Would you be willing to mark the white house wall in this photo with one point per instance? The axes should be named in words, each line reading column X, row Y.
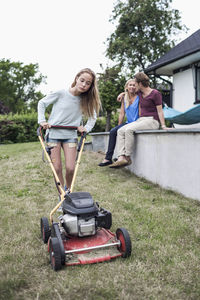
column 183, row 90
column 184, row 94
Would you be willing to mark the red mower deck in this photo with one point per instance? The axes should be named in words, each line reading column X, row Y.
column 91, row 249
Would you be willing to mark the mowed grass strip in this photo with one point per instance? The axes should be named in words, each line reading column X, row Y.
column 164, row 229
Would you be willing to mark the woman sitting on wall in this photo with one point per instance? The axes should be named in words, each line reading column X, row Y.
column 130, row 108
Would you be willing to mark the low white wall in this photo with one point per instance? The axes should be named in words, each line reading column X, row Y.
column 168, row 158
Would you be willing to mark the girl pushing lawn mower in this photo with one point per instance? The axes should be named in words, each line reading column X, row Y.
column 82, row 234
column 68, row 106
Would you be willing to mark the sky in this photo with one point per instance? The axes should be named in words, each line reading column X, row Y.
column 64, row 36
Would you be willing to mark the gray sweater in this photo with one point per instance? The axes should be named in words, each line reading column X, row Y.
column 66, row 111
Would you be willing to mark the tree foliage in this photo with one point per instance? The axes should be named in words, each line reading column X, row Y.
column 145, row 30
column 3, row 109
column 110, row 84
column 18, row 85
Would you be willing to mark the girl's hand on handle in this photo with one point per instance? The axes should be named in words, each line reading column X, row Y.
column 81, row 129
column 45, row 125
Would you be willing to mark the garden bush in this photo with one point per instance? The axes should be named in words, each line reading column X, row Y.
column 22, row 128
column 100, row 124
column 18, row 128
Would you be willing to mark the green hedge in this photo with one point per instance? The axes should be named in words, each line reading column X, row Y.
column 18, row 128
column 100, row 124
column 23, row 128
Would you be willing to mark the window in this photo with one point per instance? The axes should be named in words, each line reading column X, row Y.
column 197, row 96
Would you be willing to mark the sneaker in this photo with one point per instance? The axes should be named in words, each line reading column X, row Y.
column 67, row 190
column 104, row 164
column 119, row 164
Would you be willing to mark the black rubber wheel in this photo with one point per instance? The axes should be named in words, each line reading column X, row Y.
column 55, row 255
column 57, row 234
column 45, row 229
column 124, row 238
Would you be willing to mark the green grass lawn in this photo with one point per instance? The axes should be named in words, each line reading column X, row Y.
column 164, row 229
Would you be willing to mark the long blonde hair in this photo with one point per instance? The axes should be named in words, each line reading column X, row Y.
column 90, row 100
column 127, row 98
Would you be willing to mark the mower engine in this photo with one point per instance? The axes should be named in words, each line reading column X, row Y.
column 82, row 217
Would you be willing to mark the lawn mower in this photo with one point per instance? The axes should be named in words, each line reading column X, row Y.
column 82, row 233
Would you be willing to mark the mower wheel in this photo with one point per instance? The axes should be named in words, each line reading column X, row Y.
column 45, row 230
column 124, row 238
column 55, row 255
column 57, row 234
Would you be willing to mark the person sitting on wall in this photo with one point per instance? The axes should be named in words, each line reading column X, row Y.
column 130, row 108
column 151, row 117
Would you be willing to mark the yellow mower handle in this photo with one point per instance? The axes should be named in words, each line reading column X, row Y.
column 60, row 188
column 80, row 150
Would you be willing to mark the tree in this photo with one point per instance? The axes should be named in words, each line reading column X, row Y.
column 18, row 85
column 3, row 109
column 144, row 32
column 110, row 84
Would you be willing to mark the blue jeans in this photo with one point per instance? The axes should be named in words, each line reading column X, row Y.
column 112, row 141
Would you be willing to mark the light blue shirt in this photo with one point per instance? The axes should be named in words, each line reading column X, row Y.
column 132, row 111
column 66, row 111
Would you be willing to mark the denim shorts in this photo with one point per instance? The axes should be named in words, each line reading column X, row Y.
column 62, row 141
